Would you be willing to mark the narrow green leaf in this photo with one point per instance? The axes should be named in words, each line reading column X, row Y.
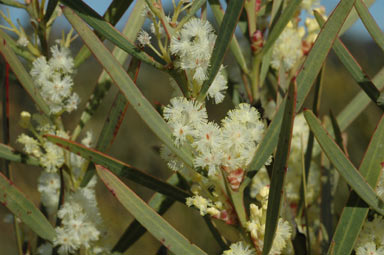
column 359, row 103
column 353, row 17
column 265, row 62
column 22, row 74
column 275, row 9
column 104, row 82
column 121, row 169
column 107, row 30
column 281, row 23
column 320, row 49
column 153, row 222
column 311, row 138
column 234, row 44
column 50, row 9
column 22, row 52
column 353, row 67
column 112, row 123
column 139, row 103
column 116, row 10
column 108, row 132
column 21, row 207
column 112, row 15
column 279, row 168
column 343, row 165
column 370, row 23
column 356, row 210
column 250, row 19
column 224, row 37
column 116, row 113
column 337, row 131
column 8, row 153
column 305, row 79
column 135, row 230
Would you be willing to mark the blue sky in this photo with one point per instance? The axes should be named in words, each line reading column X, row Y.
column 358, row 29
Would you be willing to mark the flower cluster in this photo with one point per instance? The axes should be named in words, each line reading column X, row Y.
column 287, row 50
column 256, row 226
column 219, row 151
column 53, row 79
column 230, row 146
column 193, row 46
column 371, row 237
column 50, row 155
column 204, row 205
column 239, row 248
column 80, row 220
column 295, row 41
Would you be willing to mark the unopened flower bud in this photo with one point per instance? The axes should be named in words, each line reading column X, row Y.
column 258, row 5
column 257, row 41
column 213, row 212
column 25, row 119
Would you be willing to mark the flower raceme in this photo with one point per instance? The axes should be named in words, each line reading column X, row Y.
column 192, row 47
column 53, row 79
column 229, row 146
column 218, row 150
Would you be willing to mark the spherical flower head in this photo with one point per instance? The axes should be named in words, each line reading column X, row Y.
column 209, row 161
column 287, row 50
column 65, row 239
column 80, row 219
column 218, row 87
column 282, row 235
column 249, row 117
column 53, row 158
column 186, row 111
column 41, row 71
column 207, row 137
column 193, row 45
column 369, row 248
column 61, row 59
column 240, row 248
column 49, row 188
column 181, row 132
column 31, row 145
column 72, row 102
column 22, row 41
column 57, row 89
column 54, row 81
column 183, row 116
column 143, row 38
column 372, row 231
